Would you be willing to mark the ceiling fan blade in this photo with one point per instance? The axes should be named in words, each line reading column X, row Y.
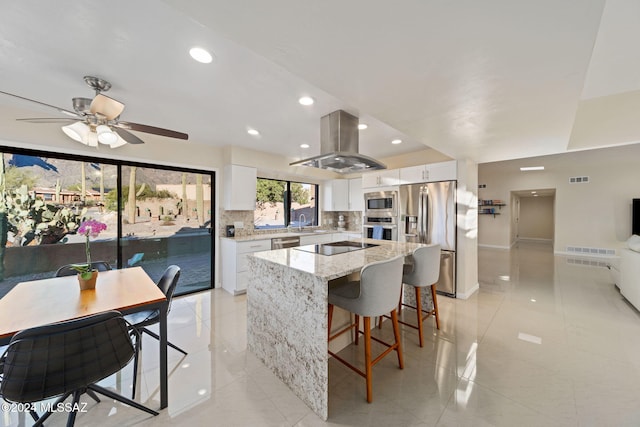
column 152, row 129
column 61, row 110
column 48, row 120
column 128, row 136
column 108, row 107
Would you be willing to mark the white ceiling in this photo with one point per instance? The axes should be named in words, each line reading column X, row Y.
column 489, row 80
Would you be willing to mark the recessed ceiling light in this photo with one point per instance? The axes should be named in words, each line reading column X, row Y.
column 253, row 132
column 306, row 100
column 396, row 141
column 533, row 192
column 533, row 168
column 535, row 195
column 304, row 145
column 200, row 55
column 362, row 126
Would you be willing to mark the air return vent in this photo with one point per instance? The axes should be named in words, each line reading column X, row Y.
column 591, row 251
column 587, row 262
column 579, row 180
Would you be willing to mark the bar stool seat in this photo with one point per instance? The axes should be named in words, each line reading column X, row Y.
column 375, row 294
column 424, row 272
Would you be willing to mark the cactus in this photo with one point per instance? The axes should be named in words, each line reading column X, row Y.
column 32, row 220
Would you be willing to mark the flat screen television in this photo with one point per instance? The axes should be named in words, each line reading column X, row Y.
column 635, row 226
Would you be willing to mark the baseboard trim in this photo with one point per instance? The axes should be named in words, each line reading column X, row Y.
column 469, row 293
column 480, row 245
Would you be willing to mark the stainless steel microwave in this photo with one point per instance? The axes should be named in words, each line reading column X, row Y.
column 381, row 204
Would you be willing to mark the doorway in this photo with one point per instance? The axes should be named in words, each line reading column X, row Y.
column 533, row 216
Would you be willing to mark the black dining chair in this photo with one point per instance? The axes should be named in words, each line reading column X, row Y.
column 67, row 358
column 142, row 319
column 66, row 270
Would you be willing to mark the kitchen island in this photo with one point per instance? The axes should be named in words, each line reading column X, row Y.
column 287, row 311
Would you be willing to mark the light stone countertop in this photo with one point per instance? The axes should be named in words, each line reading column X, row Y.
column 335, row 266
column 269, row 236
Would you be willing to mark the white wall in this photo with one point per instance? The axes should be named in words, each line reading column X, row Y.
column 536, row 218
column 596, row 215
column 467, row 233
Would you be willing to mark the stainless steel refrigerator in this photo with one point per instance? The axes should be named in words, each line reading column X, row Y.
column 428, row 215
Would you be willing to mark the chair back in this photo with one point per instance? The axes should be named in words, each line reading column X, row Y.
column 168, row 283
column 54, row 359
column 66, row 270
column 426, row 266
column 380, row 284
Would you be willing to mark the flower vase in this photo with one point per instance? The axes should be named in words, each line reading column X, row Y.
column 90, row 283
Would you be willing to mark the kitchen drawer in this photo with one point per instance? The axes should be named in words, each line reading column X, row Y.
column 253, row 246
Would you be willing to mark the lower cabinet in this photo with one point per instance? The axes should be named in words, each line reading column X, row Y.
column 235, row 270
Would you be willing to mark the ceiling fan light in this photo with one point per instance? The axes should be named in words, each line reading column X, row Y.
column 106, row 135
column 77, row 131
column 91, row 140
column 119, row 142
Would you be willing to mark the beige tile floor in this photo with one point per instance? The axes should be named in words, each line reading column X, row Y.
column 544, row 342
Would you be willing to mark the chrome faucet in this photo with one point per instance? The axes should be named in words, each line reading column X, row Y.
column 300, row 221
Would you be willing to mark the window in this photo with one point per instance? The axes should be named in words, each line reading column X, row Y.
column 165, row 219
column 281, row 203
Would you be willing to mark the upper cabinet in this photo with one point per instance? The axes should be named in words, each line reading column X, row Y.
column 443, row 171
column 336, row 195
column 239, row 188
column 356, row 195
column 382, row 178
column 343, row 195
column 413, row 174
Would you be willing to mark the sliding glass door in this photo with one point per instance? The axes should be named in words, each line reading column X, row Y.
column 166, row 219
column 156, row 216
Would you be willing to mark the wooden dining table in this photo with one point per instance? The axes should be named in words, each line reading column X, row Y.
column 39, row 302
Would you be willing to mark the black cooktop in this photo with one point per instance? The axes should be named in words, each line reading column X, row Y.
column 335, row 247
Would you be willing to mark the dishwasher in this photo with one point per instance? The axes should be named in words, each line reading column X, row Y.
column 285, row 242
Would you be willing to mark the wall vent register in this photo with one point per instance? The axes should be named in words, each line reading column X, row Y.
column 579, row 180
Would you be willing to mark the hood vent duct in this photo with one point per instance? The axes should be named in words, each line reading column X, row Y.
column 339, row 146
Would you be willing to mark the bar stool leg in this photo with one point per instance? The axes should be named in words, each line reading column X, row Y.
column 367, row 357
column 396, row 333
column 435, row 305
column 419, row 313
column 357, row 322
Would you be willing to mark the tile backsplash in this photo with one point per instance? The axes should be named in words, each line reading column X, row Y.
column 353, row 222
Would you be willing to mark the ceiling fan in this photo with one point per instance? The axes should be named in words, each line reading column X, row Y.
column 97, row 121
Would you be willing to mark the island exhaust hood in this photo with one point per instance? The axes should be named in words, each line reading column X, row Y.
column 339, row 146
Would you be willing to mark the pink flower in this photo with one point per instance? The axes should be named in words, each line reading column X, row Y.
column 92, row 228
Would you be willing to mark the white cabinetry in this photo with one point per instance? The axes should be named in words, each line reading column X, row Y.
column 356, row 195
column 235, row 270
column 443, row 171
column 336, row 195
column 343, row 195
column 383, row 178
column 239, row 188
column 413, row 174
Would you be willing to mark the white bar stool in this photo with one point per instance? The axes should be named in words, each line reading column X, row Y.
column 374, row 295
column 424, row 272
